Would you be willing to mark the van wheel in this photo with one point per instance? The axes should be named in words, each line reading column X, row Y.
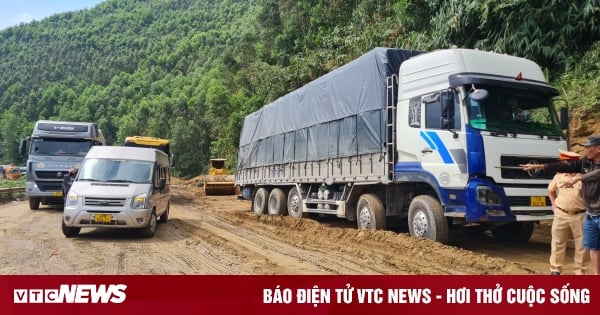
column 370, row 213
column 165, row 216
column 426, row 219
column 294, row 204
column 150, row 229
column 34, row 203
column 277, row 202
column 259, row 204
column 70, row 231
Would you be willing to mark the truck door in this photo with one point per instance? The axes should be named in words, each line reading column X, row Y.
column 441, row 145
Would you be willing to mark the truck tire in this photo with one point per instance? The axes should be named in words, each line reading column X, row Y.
column 150, row 228
column 370, row 213
column 517, row 232
column 70, row 231
column 294, row 204
column 34, row 203
column 277, row 202
column 165, row 216
column 261, row 198
column 426, row 219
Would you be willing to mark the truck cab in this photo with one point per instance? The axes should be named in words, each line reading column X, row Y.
column 54, row 148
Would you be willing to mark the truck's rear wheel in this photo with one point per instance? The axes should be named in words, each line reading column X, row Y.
column 426, row 219
column 294, row 204
column 370, row 213
column 277, row 202
column 259, row 204
column 34, row 203
column 517, row 232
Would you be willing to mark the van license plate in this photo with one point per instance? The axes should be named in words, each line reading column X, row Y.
column 102, row 218
column 537, row 201
column 57, row 194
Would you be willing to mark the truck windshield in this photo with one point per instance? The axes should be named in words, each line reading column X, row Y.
column 116, row 170
column 58, row 146
column 513, row 111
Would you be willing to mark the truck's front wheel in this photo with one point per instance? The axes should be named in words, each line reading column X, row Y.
column 517, row 232
column 370, row 213
column 34, row 203
column 426, row 219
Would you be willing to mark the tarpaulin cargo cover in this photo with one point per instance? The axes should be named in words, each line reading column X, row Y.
column 340, row 114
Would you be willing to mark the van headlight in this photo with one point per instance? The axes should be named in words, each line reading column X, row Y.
column 486, row 196
column 71, row 200
column 139, row 202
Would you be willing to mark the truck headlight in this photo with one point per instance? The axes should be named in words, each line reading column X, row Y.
column 71, row 200
column 139, row 202
column 486, row 196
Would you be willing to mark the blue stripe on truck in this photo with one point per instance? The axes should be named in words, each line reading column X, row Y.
column 434, row 141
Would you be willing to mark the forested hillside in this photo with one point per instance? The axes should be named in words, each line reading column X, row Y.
column 190, row 70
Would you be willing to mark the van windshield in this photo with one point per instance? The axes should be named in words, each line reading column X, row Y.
column 116, row 170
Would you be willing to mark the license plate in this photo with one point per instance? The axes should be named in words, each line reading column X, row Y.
column 57, row 194
column 537, row 201
column 102, row 218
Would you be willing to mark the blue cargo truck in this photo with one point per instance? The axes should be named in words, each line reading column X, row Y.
column 433, row 138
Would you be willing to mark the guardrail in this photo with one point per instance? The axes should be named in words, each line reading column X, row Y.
column 9, row 191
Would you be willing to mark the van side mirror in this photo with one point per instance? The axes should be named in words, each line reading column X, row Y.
column 162, row 183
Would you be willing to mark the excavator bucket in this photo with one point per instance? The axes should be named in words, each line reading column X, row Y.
column 218, row 181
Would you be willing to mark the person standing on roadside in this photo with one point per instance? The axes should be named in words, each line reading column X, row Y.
column 569, row 214
column 588, row 173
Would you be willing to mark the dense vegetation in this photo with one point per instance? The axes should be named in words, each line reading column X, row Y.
column 190, row 70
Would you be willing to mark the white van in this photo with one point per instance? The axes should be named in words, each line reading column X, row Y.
column 119, row 187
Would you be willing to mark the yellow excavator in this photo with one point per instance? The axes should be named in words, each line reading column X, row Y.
column 218, row 181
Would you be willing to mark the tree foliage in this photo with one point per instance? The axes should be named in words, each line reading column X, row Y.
column 191, row 70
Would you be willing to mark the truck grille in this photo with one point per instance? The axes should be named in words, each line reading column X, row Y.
column 104, row 202
column 57, row 175
column 515, row 161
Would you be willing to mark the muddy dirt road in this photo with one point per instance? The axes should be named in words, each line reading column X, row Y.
column 220, row 235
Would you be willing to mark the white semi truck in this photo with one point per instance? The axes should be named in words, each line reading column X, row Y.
column 54, row 148
column 435, row 138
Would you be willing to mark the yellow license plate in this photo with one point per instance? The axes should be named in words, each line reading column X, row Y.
column 537, row 201
column 57, row 194
column 102, row 218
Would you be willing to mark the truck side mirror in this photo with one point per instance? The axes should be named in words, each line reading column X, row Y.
column 22, row 147
column 564, row 118
column 447, row 118
column 447, row 99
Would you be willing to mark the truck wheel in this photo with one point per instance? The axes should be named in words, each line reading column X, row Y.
column 517, row 232
column 277, row 202
column 426, row 219
column 259, row 204
column 165, row 216
column 150, row 228
column 294, row 204
column 70, row 231
column 370, row 213
column 34, row 203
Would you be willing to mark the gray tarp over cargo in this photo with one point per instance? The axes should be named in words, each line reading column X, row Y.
column 340, row 114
